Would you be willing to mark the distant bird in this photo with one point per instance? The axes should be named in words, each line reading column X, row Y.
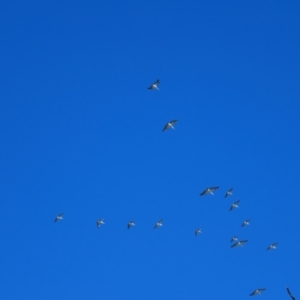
column 272, row 246
column 130, row 224
column 234, row 239
column 239, row 244
column 229, row 192
column 59, row 217
column 246, row 223
column 257, row 292
column 235, row 205
column 209, row 191
column 154, row 86
column 198, row 231
column 170, row 125
column 100, row 222
column 292, row 296
column 159, row 224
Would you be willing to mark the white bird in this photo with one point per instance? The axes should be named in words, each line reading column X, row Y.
column 170, row 125
column 159, row 224
column 209, row 191
column 198, row 231
column 234, row 239
column 246, row 223
column 257, row 292
column 100, row 222
column 229, row 192
column 130, row 224
column 154, row 86
column 59, row 217
column 239, row 244
column 235, row 205
column 272, row 246
column 292, row 296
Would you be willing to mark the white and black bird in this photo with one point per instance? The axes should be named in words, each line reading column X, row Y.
column 209, row 191
column 59, row 217
column 170, row 125
column 198, row 231
column 130, row 224
column 100, row 222
column 272, row 246
column 246, row 223
column 154, row 86
column 159, row 223
column 234, row 205
column 229, row 193
column 257, row 292
column 291, row 295
column 234, row 239
column 239, row 244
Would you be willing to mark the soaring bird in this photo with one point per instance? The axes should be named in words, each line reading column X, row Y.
column 209, row 191
column 257, row 292
column 170, row 125
column 59, row 217
column 239, row 244
column 292, row 296
column 100, row 222
column 235, row 205
column 229, row 192
column 234, row 239
column 246, row 223
column 159, row 224
column 198, row 231
column 154, row 86
column 130, row 224
column 272, row 246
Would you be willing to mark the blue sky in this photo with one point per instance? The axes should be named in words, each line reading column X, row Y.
column 81, row 134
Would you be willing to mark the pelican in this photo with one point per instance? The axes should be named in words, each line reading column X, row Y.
column 229, row 192
column 159, row 224
column 198, row 231
column 130, row 224
column 272, row 246
column 257, row 292
column 209, row 191
column 170, row 125
column 234, row 239
column 235, row 205
column 100, row 222
column 292, row 296
column 239, row 244
column 245, row 223
column 154, row 86
column 59, row 217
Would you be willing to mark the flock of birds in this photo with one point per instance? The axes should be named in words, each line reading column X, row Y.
column 207, row 191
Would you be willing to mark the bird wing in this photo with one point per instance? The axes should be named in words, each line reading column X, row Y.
column 214, row 188
column 292, row 296
column 204, row 192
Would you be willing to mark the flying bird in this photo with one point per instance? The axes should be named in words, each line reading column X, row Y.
column 229, row 192
column 198, row 231
column 257, row 292
column 159, row 224
column 170, row 125
column 100, row 222
column 59, row 217
column 154, row 86
column 246, row 223
column 291, row 295
column 209, row 191
column 235, row 205
column 272, row 246
column 130, row 224
column 234, row 239
column 239, row 244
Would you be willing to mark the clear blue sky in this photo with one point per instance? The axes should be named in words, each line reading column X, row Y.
column 81, row 134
